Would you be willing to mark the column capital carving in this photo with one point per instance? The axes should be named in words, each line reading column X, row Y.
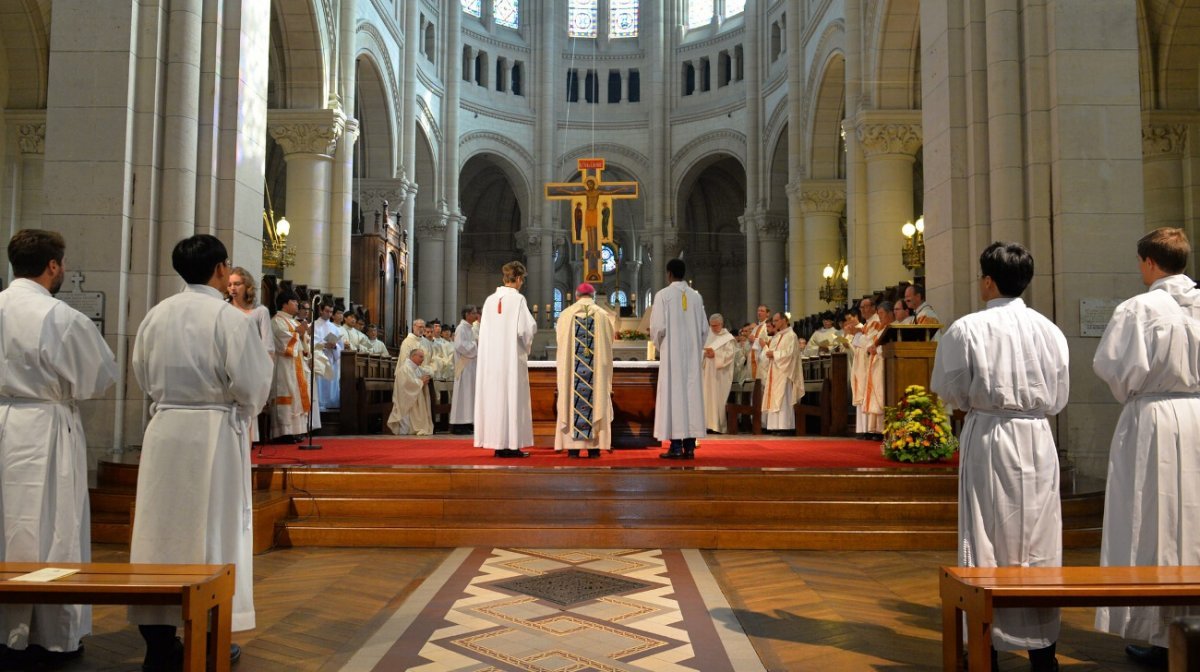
column 432, row 227
column 530, row 240
column 377, row 195
column 306, row 131
column 1163, row 139
column 31, row 138
column 772, row 227
column 823, row 197
column 879, row 138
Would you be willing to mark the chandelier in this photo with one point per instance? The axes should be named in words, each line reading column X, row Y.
column 914, row 244
column 834, row 289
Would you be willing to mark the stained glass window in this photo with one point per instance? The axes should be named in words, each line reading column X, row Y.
column 608, row 259
column 700, row 13
column 473, row 7
column 506, row 13
column 618, row 298
column 622, row 18
column 734, row 7
column 558, row 302
column 582, row 21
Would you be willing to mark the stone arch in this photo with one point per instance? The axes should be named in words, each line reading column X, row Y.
column 777, row 172
column 491, row 143
column 298, row 64
column 896, row 41
column 826, row 159
column 26, row 46
column 698, row 152
column 493, row 199
column 710, row 198
column 1179, row 56
column 375, row 155
column 425, row 173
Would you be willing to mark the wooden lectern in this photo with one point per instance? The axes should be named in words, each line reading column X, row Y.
column 908, row 352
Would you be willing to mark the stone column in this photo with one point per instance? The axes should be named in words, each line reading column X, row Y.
column 430, row 257
column 546, row 95
column 535, row 244
column 450, row 163
column 450, row 300
column 798, row 282
column 657, row 92
column 341, row 213
column 822, row 202
column 890, row 141
column 28, row 170
column 308, row 140
column 374, row 193
column 856, row 172
column 754, row 297
column 755, row 201
column 1163, row 149
column 772, row 239
column 408, row 146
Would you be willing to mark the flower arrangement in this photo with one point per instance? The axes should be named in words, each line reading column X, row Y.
column 632, row 335
column 918, row 429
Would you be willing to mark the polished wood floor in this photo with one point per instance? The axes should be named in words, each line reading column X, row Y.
column 803, row 610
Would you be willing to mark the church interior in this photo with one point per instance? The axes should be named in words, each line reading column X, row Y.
column 390, row 156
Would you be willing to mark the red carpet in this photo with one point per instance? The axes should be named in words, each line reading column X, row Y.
column 772, row 453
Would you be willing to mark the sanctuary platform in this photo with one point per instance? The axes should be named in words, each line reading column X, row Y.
column 741, row 492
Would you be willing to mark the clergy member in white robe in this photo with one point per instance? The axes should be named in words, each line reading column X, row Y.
column 678, row 325
column 758, row 340
column 872, row 406
column 784, row 378
column 410, row 398
column 292, row 387
column 462, row 400
column 826, row 339
column 205, row 369
column 328, row 339
column 413, row 339
column 1007, row 367
column 51, row 357
column 503, row 416
column 584, row 336
column 1150, row 359
column 862, row 336
column 720, row 356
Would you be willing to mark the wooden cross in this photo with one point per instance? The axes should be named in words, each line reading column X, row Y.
column 592, row 221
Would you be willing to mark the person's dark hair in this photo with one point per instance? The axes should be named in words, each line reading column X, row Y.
column 1009, row 265
column 676, row 268
column 1167, row 247
column 32, row 250
column 283, row 297
column 918, row 290
column 468, row 310
column 195, row 259
column 827, row 316
column 886, row 306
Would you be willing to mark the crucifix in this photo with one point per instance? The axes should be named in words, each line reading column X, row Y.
column 591, row 201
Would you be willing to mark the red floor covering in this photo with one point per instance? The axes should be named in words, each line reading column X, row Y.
column 803, row 453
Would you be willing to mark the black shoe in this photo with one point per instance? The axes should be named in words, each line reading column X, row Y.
column 1043, row 660
column 164, row 651
column 572, row 453
column 1150, row 656
column 235, row 653
column 593, row 452
column 512, row 453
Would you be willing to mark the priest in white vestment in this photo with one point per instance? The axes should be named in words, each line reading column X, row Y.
column 678, row 325
column 1007, row 367
column 51, row 357
column 922, row 312
column 872, row 407
column 466, row 348
column 413, row 339
column 720, row 359
column 410, row 398
column 862, row 337
column 784, row 384
column 378, row 347
column 1150, row 359
column 584, row 336
column 207, row 373
column 758, row 340
column 328, row 339
column 292, row 388
column 826, row 339
column 503, row 416
column 441, row 343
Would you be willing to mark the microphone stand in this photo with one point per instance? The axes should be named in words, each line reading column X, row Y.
column 314, row 406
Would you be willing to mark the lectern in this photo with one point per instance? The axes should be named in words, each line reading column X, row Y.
column 908, row 352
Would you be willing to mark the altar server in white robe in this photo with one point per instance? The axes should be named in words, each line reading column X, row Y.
column 872, row 407
column 207, row 373
column 784, row 377
column 1150, row 359
column 410, row 398
column 678, row 325
column 720, row 360
column 51, row 357
column 503, row 416
column 1007, row 367
column 413, row 339
column 466, row 345
column 584, row 336
column 328, row 339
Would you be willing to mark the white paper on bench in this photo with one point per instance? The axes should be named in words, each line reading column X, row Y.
column 45, row 575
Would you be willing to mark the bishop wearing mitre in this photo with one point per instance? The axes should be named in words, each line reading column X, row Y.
column 585, row 368
column 410, row 398
column 784, row 378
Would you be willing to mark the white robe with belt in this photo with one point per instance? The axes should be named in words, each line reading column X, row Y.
column 330, row 389
column 410, row 402
column 1007, row 367
column 1150, row 358
column 677, row 326
column 784, row 382
column 293, row 382
column 462, row 401
column 503, row 415
column 718, row 377
column 51, row 357
column 207, row 373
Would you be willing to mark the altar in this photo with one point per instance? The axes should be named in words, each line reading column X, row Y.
column 635, row 386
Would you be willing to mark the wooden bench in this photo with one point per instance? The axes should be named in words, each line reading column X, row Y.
column 826, row 395
column 197, row 589
column 744, row 399
column 366, row 388
column 978, row 591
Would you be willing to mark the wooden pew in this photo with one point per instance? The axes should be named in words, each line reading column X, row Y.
column 366, row 387
column 826, row 394
column 440, row 393
column 1185, row 644
column 978, row 591
column 197, row 589
column 736, row 406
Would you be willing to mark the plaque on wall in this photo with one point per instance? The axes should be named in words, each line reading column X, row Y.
column 1094, row 315
column 91, row 304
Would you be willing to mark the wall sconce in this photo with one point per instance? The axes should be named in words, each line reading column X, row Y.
column 837, row 280
column 276, row 252
column 914, row 244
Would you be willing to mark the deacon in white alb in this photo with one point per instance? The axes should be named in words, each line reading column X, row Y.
column 872, row 406
column 720, row 355
column 584, row 335
column 207, row 373
column 503, row 416
column 677, row 327
column 1007, row 367
column 462, row 401
column 784, row 377
column 410, row 398
column 51, row 357
column 1150, row 358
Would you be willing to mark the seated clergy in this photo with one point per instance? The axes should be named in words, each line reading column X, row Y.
column 720, row 354
column 784, row 377
column 826, row 339
column 377, row 346
column 410, row 398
